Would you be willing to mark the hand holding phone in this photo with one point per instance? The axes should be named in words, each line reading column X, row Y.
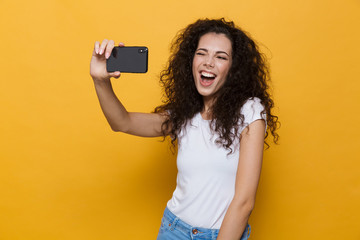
column 128, row 59
column 101, row 52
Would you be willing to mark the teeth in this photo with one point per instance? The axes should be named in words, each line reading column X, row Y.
column 205, row 74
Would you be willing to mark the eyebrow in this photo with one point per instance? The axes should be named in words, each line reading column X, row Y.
column 204, row 49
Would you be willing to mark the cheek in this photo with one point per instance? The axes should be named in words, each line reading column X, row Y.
column 224, row 69
column 194, row 66
column 195, row 61
column 224, row 75
column 227, row 67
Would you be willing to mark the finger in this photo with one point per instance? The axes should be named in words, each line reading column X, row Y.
column 97, row 46
column 121, row 44
column 109, row 48
column 115, row 74
column 103, row 45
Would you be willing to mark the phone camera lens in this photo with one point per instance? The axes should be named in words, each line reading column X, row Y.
column 141, row 50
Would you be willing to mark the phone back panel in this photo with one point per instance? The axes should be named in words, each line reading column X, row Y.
column 128, row 59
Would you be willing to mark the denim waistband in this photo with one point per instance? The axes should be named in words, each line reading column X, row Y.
column 177, row 223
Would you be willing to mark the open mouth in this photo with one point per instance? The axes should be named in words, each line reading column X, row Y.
column 207, row 78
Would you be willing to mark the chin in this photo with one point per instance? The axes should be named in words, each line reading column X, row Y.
column 205, row 93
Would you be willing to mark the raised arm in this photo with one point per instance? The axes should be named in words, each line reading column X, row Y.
column 139, row 124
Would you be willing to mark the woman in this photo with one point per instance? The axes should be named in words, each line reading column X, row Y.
column 218, row 110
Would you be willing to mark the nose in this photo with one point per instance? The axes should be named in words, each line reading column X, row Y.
column 209, row 61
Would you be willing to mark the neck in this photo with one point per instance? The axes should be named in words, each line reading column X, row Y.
column 206, row 112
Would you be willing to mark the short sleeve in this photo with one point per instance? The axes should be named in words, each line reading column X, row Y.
column 252, row 111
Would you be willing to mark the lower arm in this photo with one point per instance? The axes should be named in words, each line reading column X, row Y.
column 235, row 221
column 112, row 108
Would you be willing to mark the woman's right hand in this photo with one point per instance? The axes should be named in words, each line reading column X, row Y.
column 98, row 61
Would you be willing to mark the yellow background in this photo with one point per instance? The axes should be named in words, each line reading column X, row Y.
column 65, row 175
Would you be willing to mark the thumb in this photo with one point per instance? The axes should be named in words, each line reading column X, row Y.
column 115, row 74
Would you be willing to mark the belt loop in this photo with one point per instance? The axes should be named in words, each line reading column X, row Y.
column 214, row 234
column 173, row 224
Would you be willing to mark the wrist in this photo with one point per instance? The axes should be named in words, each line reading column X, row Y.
column 102, row 82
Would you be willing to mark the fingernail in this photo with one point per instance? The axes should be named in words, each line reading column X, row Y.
column 107, row 55
column 100, row 52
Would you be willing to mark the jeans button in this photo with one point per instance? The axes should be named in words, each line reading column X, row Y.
column 194, row 231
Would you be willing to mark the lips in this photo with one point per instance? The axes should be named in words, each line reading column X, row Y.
column 207, row 74
column 207, row 78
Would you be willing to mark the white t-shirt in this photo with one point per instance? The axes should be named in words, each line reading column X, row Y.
column 206, row 173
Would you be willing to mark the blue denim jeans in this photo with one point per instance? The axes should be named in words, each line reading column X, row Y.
column 173, row 228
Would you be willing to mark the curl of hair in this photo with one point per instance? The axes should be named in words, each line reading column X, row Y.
column 247, row 78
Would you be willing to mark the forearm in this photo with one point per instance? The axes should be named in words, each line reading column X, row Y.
column 114, row 111
column 235, row 221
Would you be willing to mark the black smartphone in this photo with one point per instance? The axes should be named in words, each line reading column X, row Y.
column 128, row 60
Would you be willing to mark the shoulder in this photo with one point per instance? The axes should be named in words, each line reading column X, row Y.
column 252, row 104
column 252, row 110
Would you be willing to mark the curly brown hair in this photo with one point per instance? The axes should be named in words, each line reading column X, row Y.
column 248, row 77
